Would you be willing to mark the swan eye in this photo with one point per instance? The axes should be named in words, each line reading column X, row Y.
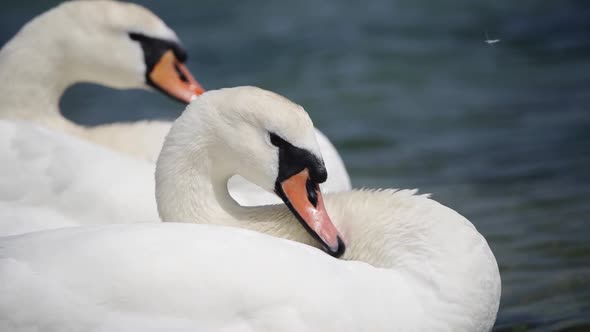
column 276, row 140
column 153, row 48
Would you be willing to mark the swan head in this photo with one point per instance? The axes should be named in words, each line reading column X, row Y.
column 120, row 45
column 268, row 140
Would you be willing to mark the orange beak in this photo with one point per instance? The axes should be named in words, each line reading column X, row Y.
column 305, row 200
column 172, row 77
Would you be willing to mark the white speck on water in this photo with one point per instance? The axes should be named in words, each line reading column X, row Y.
column 490, row 41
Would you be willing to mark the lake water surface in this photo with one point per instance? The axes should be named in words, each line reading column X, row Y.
column 413, row 97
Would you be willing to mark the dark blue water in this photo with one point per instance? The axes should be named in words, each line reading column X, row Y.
column 413, row 96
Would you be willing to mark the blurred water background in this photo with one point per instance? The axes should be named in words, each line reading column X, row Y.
column 413, row 97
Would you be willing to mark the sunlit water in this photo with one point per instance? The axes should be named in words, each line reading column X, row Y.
column 413, row 96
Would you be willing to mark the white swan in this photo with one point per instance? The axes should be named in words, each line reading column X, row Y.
column 430, row 270
column 119, row 45
column 115, row 44
column 447, row 262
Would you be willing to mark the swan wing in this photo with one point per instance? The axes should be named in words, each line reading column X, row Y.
column 172, row 276
column 49, row 179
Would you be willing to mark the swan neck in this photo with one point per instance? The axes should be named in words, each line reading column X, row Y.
column 190, row 189
column 35, row 73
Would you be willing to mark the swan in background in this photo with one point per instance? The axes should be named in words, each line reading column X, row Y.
column 120, row 45
column 410, row 262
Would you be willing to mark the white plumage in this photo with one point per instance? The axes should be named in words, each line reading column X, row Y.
column 50, row 179
column 411, row 263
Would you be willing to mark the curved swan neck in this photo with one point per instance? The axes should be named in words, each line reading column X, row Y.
column 34, row 69
column 33, row 85
column 189, row 189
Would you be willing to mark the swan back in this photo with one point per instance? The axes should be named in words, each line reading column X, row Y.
column 443, row 259
column 195, row 278
column 49, row 179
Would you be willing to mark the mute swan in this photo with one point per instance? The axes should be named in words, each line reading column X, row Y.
column 428, row 267
column 233, row 131
column 183, row 277
column 120, row 45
